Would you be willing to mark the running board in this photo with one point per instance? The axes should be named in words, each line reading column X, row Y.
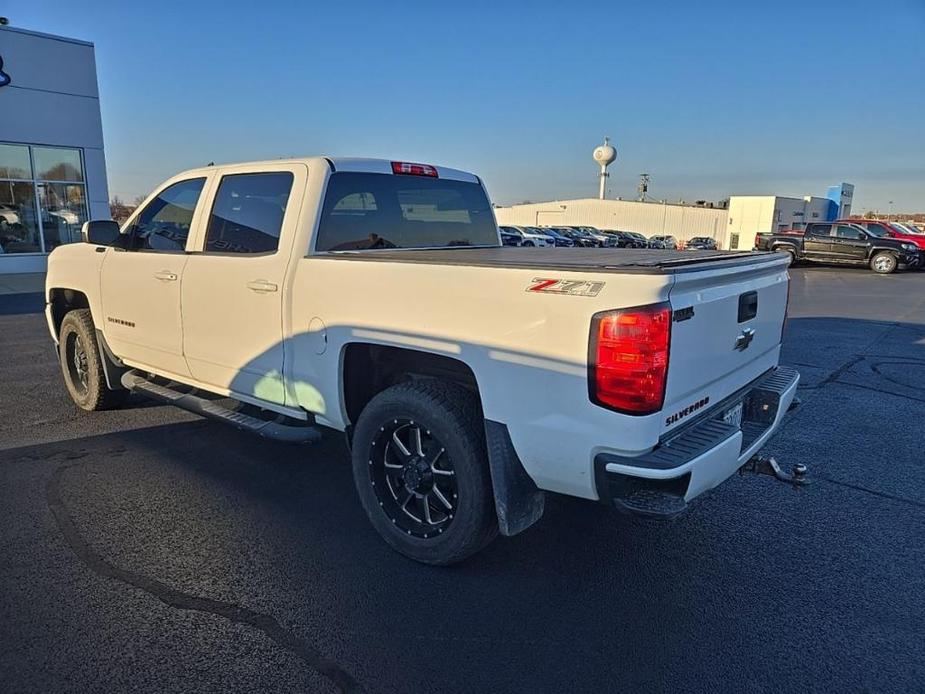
column 207, row 408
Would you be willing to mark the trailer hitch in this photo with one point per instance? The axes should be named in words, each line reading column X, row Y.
column 767, row 465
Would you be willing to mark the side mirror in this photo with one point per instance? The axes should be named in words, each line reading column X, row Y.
column 102, row 232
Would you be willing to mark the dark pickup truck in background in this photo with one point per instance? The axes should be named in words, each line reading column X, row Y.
column 843, row 242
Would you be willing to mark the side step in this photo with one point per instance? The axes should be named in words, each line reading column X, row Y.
column 207, row 408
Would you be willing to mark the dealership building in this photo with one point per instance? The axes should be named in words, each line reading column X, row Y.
column 52, row 166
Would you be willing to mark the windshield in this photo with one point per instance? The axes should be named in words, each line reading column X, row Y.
column 365, row 211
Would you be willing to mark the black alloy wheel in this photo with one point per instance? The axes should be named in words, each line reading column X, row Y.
column 413, row 478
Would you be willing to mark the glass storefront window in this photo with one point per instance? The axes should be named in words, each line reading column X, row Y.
column 44, row 207
column 57, row 164
column 19, row 229
column 64, row 210
column 14, row 162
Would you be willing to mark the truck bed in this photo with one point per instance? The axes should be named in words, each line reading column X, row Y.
column 623, row 260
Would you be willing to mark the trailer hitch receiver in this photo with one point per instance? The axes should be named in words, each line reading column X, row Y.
column 767, row 465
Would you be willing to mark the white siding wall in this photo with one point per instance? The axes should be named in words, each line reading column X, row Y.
column 53, row 99
column 753, row 214
column 748, row 215
column 650, row 219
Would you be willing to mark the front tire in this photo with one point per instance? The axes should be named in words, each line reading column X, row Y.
column 529, row 244
column 421, row 471
column 81, row 366
column 883, row 263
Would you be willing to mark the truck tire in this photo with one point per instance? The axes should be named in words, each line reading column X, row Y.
column 421, row 470
column 883, row 263
column 81, row 366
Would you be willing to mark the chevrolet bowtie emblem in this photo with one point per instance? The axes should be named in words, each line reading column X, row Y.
column 745, row 339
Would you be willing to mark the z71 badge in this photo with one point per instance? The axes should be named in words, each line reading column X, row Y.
column 569, row 287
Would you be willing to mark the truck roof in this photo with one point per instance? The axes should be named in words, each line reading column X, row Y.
column 353, row 164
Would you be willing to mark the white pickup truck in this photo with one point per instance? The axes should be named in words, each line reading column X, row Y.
column 375, row 298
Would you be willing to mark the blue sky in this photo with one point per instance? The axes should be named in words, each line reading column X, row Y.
column 710, row 98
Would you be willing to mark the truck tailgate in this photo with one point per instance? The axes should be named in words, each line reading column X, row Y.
column 726, row 332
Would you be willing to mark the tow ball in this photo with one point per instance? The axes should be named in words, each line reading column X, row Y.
column 767, row 465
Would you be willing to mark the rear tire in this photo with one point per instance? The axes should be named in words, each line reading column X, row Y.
column 81, row 365
column 884, row 263
column 436, row 508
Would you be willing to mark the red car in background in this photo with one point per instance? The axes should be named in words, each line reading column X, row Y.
column 878, row 227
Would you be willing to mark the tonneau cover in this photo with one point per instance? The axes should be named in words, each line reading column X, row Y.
column 648, row 261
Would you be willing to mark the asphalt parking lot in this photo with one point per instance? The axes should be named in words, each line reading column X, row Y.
column 149, row 550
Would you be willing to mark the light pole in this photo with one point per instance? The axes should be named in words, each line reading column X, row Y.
column 889, row 216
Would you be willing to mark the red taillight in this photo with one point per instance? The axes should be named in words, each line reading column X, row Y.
column 408, row 169
column 757, row 240
column 628, row 359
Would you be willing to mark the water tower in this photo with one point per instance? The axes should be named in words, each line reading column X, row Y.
column 604, row 155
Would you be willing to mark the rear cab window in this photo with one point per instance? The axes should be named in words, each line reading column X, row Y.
column 818, row 229
column 367, row 211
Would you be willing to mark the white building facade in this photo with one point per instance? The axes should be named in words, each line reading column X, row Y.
column 52, row 164
column 750, row 215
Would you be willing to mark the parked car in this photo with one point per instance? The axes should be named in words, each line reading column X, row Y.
column 701, row 243
column 881, row 228
column 531, row 236
column 639, row 240
column 510, row 237
column 562, row 241
column 579, row 238
column 620, row 239
column 454, row 376
column 594, row 232
column 908, row 228
column 663, row 242
column 844, row 242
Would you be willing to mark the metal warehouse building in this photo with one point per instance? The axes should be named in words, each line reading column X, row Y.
column 648, row 218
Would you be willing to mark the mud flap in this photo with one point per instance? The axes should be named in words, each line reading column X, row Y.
column 518, row 501
column 113, row 368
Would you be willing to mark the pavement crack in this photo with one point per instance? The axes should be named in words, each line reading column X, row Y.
column 867, row 490
column 880, row 390
column 183, row 601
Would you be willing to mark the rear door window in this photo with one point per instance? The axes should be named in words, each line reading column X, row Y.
column 843, row 231
column 247, row 216
column 818, row 229
column 364, row 211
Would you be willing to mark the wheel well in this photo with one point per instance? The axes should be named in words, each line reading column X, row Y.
column 65, row 300
column 369, row 369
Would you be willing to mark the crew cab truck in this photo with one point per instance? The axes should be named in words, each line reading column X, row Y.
column 375, row 298
column 844, row 242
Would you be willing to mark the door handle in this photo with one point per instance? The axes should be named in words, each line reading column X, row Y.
column 166, row 276
column 262, row 286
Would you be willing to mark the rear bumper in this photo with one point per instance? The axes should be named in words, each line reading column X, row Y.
column 704, row 454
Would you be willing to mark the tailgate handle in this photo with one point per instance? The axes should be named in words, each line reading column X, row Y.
column 748, row 306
